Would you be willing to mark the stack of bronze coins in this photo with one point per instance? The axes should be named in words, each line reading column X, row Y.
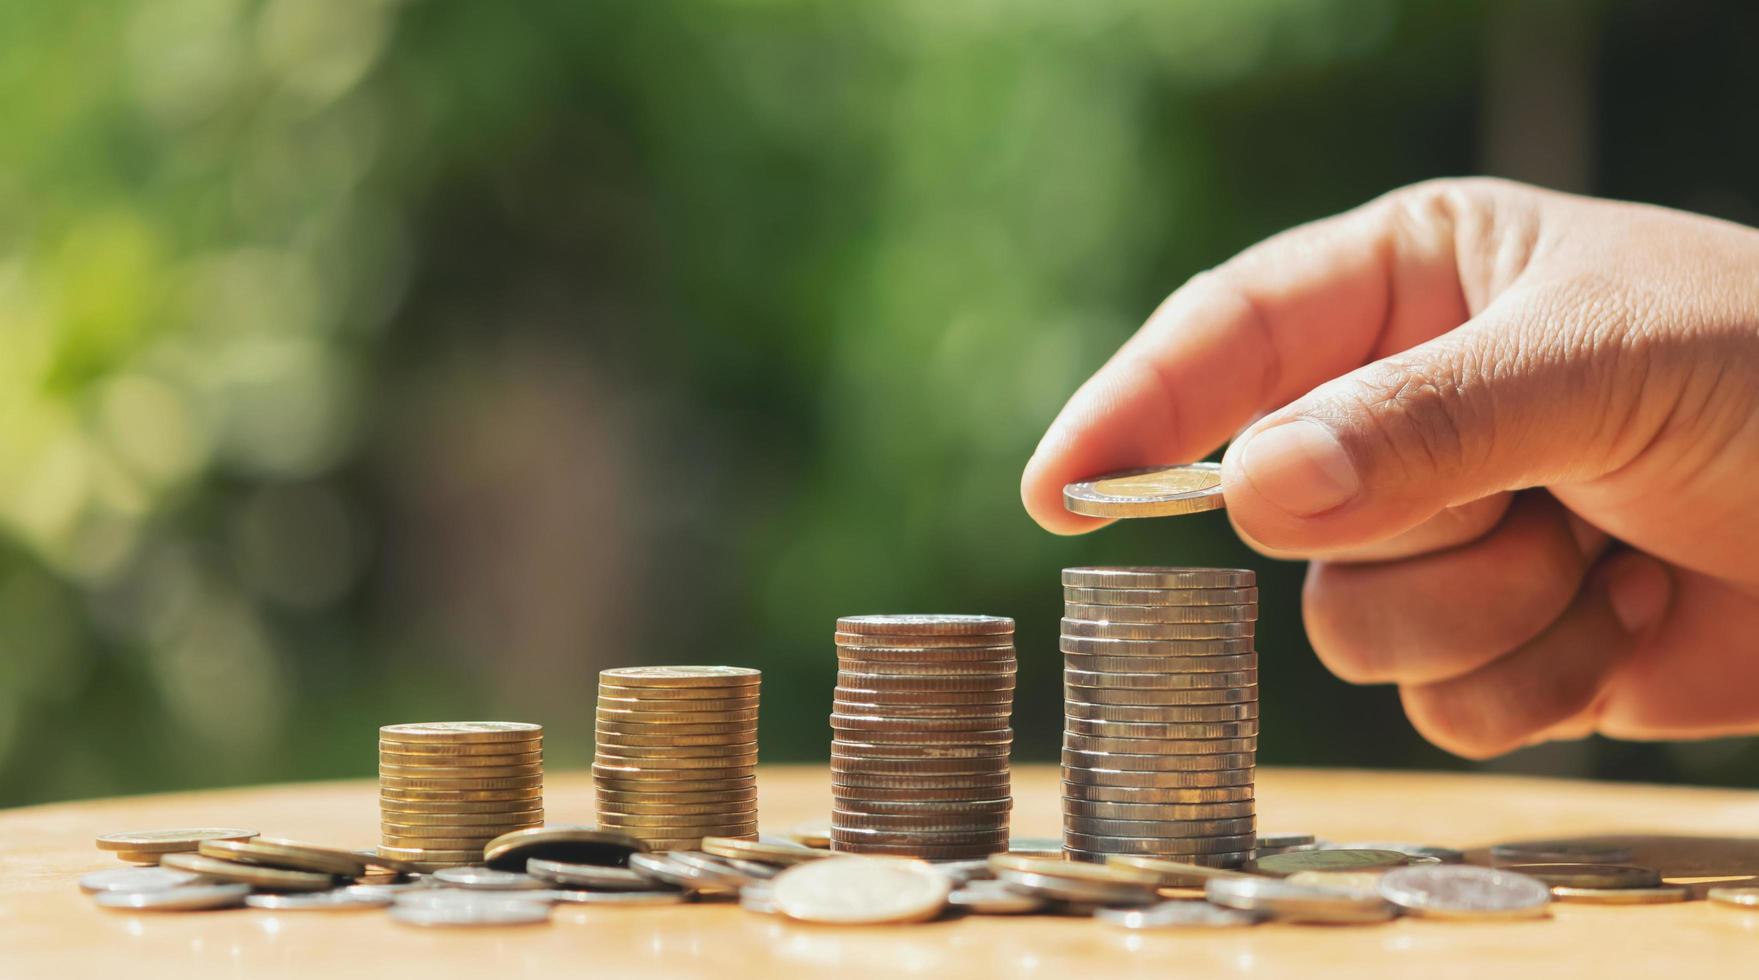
column 1160, row 727
column 677, row 754
column 447, row 788
column 919, row 757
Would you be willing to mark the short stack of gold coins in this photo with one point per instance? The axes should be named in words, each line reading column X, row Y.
column 919, row 754
column 1160, row 732
column 676, row 757
column 447, row 788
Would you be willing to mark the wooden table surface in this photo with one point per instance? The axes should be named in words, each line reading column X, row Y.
column 48, row 928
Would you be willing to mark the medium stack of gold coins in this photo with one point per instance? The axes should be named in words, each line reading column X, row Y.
column 447, row 788
column 1160, row 727
column 677, row 754
column 919, row 757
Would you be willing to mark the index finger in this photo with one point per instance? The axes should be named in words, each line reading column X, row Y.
column 1280, row 318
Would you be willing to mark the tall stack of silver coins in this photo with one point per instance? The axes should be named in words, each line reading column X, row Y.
column 676, row 757
column 919, row 754
column 1160, row 731
column 447, row 788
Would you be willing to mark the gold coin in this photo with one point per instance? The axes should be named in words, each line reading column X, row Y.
column 1120, row 762
column 904, row 648
column 1332, row 859
column 691, row 676
column 1622, row 896
column 461, row 731
column 925, row 852
column 442, row 751
column 721, row 751
column 1155, row 491
column 141, row 857
column 391, row 819
column 1058, row 868
column 1168, row 681
column 616, row 797
column 398, row 803
column 973, row 699
column 574, row 845
column 681, row 727
column 482, row 784
column 878, row 736
column 1160, row 746
column 919, row 767
column 434, row 858
column 627, row 740
column 1212, row 793
column 167, row 841
column 1160, row 597
column 1207, row 695
column 848, row 749
column 606, row 784
column 1171, row 874
column 996, row 838
column 1160, row 615
column 465, row 843
column 671, row 706
column 718, row 692
column 275, row 852
column 730, row 779
column 1129, row 666
column 456, row 827
column 705, row 764
column 647, row 721
column 888, row 723
column 1589, row 875
column 682, row 822
column 766, row 851
column 427, row 774
column 1091, row 646
column 926, row 625
column 855, row 797
column 677, row 809
column 472, row 763
column 995, row 712
column 249, row 874
column 1151, row 577
column 1166, row 846
column 888, row 778
column 1159, row 811
column 1075, row 628
column 928, row 823
column 1099, row 827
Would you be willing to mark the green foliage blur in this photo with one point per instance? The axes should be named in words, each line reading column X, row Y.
column 367, row 361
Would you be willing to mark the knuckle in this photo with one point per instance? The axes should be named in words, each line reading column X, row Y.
column 1421, row 419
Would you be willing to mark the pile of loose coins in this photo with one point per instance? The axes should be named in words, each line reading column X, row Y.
column 1160, row 731
column 919, row 753
column 526, row 874
column 448, row 788
column 677, row 753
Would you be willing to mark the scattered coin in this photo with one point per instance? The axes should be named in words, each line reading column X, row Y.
column 1459, row 891
column 1283, row 841
column 137, row 880
column 169, row 841
column 1171, row 874
column 1337, row 859
column 274, row 852
column 189, row 898
column 274, row 879
column 341, row 900
column 592, row 876
column 1660, row 895
column 473, row 915
column 768, row 850
column 630, row 898
column 1589, row 875
column 1299, row 903
column 1156, row 491
column 861, row 890
column 575, row 845
column 1741, row 896
column 1180, row 915
column 489, row 879
column 1061, row 888
column 1421, row 852
column 992, row 898
column 1560, row 852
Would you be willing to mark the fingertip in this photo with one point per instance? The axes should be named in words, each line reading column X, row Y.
column 1043, row 498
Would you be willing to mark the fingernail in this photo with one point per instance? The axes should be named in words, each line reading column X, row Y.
column 1638, row 590
column 1300, row 467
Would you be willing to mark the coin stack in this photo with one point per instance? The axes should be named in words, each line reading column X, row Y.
column 677, row 754
column 1160, row 727
column 447, row 788
column 919, row 757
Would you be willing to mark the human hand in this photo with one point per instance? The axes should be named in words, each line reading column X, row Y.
column 1516, row 431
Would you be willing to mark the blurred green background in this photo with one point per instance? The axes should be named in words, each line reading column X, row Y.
column 367, row 362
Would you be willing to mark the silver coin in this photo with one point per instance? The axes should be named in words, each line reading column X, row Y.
column 993, row 898
column 473, row 915
column 569, row 896
column 965, row 872
column 711, row 865
column 1740, row 896
column 1159, row 597
column 1559, row 852
column 489, row 880
column 1280, row 841
column 758, row 898
column 189, row 898
column 1180, row 915
column 340, row 900
column 1074, row 889
column 1460, row 891
column 138, row 880
column 663, row 869
column 391, row 889
column 589, row 876
column 433, row 898
column 1157, row 577
column 1444, row 855
column 1299, row 903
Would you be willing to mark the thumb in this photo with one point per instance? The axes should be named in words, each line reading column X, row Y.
column 1509, row 400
